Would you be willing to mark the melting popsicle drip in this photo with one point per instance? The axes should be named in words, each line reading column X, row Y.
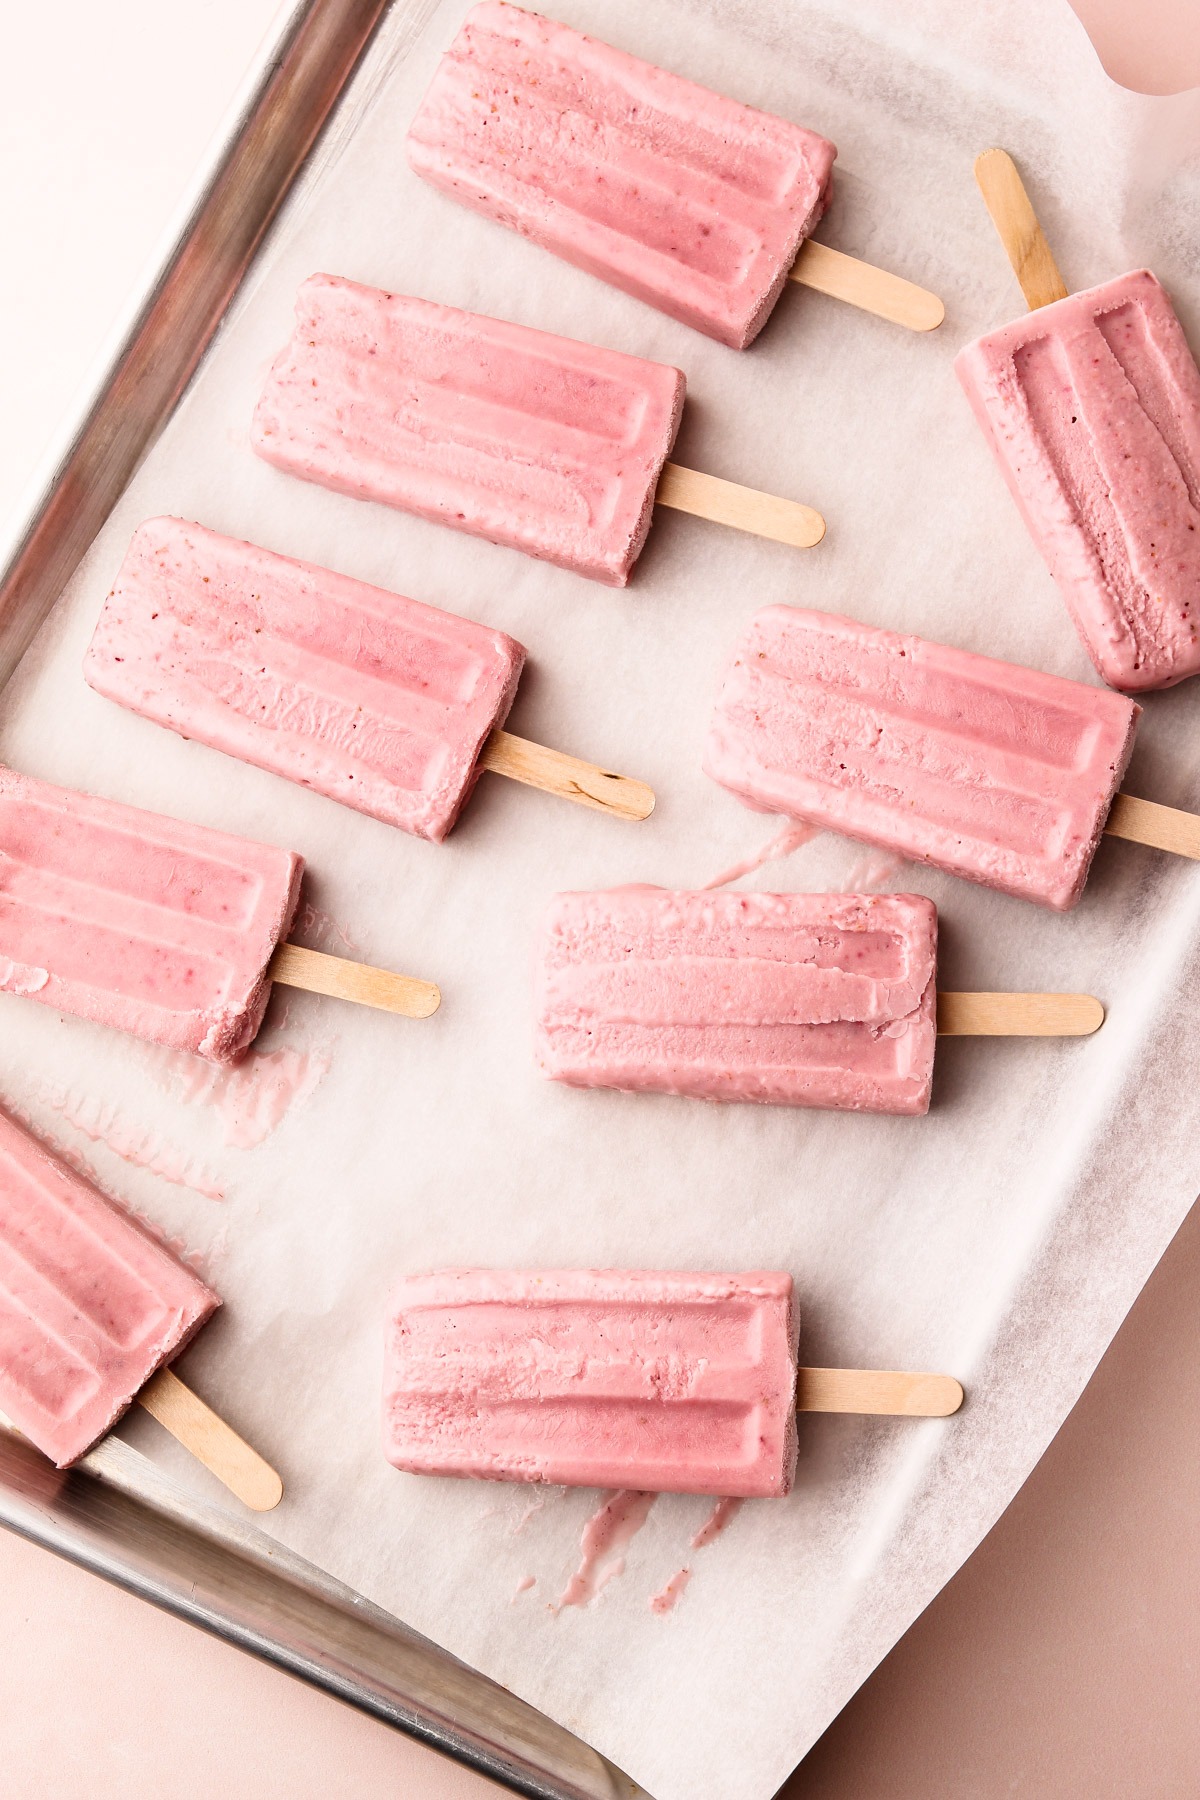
column 104, row 1123
column 253, row 1099
column 665, row 1599
column 784, row 843
column 606, row 1536
column 718, row 1520
column 870, row 873
column 21, row 978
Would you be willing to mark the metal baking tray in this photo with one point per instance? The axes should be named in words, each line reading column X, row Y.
column 115, row 1513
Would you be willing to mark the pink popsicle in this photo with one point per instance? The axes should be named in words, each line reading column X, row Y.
column 137, row 921
column 689, row 201
column 982, row 768
column 541, row 443
column 607, row 1378
column 90, row 1303
column 365, row 696
column 1092, row 407
column 824, row 1000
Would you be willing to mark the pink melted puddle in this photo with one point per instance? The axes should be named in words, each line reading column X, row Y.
column 106, row 1124
column 252, row 1099
column 664, row 1600
column 606, row 1536
column 721, row 1516
column 793, row 837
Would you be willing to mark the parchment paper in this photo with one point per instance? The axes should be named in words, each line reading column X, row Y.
column 1004, row 1237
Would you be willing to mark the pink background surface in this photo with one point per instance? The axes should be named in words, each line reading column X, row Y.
column 1062, row 1660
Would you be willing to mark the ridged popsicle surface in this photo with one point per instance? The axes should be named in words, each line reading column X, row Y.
column 365, row 696
column 823, row 1000
column 145, row 923
column 979, row 767
column 1092, row 407
column 692, row 202
column 595, row 1378
column 90, row 1303
column 537, row 442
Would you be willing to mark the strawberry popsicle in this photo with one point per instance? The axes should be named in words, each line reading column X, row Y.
column 982, row 768
column 689, row 201
column 1091, row 405
column 380, row 702
column 138, row 921
column 675, row 1382
column 823, row 1000
column 90, row 1303
column 547, row 445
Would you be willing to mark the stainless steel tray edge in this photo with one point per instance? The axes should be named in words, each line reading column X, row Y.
column 118, row 1516
column 115, row 1514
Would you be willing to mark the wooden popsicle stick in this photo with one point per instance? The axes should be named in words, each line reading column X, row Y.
column 211, row 1441
column 1163, row 827
column 1016, row 223
column 763, row 515
column 1018, row 1015
column 877, row 1391
column 320, row 974
column 860, row 284
column 556, row 773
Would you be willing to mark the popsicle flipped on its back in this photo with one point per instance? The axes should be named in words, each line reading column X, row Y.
column 1091, row 405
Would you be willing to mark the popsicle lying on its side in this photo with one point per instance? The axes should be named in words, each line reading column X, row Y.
column 1091, row 405
column 824, row 1000
column 541, row 443
column 982, row 768
column 687, row 200
column 668, row 1382
column 167, row 930
column 92, row 1309
column 387, row 705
